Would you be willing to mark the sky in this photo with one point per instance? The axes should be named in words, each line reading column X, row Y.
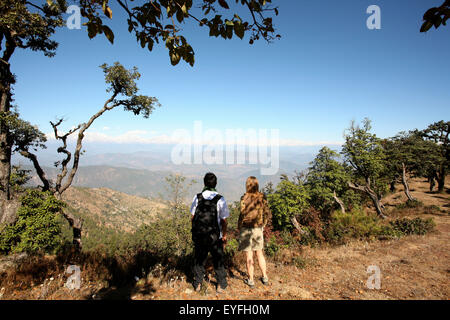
column 327, row 69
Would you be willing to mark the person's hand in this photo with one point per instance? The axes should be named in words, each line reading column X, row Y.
column 224, row 239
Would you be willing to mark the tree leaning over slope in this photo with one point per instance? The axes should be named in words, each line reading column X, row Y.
column 123, row 92
column 30, row 24
column 364, row 153
column 21, row 28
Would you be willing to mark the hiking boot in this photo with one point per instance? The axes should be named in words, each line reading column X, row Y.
column 265, row 281
column 250, row 283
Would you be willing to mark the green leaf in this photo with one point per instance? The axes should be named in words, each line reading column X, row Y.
column 224, row 4
column 108, row 33
column 426, row 26
column 239, row 30
column 180, row 16
column 92, row 30
column 174, row 58
column 184, row 9
column 108, row 12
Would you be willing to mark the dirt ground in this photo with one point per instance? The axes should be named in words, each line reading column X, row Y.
column 413, row 267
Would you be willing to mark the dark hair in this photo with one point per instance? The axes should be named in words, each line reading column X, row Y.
column 210, row 180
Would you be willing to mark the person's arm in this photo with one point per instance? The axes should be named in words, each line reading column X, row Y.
column 223, row 215
column 223, row 224
column 193, row 207
column 267, row 214
column 240, row 213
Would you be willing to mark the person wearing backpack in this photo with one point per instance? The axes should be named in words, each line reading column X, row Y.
column 209, row 232
column 255, row 214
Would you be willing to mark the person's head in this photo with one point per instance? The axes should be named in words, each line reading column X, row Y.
column 251, row 185
column 210, row 180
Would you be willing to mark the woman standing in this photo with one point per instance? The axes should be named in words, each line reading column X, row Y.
column 254, row 216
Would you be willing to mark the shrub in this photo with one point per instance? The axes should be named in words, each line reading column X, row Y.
column 288, row 200
column 169, row 236
column 231, row 249
column 271, row 247
column 37, row 227
column 355, row 224
column 413, row 226
column 410, row 204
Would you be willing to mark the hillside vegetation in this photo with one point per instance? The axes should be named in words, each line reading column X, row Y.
column 412, row 267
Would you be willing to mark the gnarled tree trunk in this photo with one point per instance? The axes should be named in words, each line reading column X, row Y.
column 6, row 79
column 339, row 201
column 372, row 195
column 405, row 184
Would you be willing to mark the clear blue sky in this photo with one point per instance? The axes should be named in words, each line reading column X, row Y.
column 326, row 70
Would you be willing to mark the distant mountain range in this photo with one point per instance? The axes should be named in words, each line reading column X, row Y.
column 143, row 173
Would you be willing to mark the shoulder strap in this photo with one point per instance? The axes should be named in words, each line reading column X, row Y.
column 199, row 197
column 216, row 198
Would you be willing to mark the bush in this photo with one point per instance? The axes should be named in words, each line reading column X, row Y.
column 355, row 224
column 37, row 228
column 271, row 247
column 413, row 226
column 410, row 204
column 288, row 200
column 169, row 236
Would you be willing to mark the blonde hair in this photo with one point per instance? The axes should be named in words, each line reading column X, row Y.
column 251, row 185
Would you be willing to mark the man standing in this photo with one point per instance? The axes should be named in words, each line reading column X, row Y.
column 209, row 232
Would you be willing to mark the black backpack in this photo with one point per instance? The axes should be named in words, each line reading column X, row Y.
column 205, row 227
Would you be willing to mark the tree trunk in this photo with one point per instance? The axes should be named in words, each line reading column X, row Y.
column 339, row 201
column 392, row 186
column 405, row 184
column 298, row 226
column 77, row 225
column 5, row 165
column 5, row 142
column 441, row 178
column 373, row 196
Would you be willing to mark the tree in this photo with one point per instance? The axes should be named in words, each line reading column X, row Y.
column 408, row 155
column 438, row 133
column 327, row 181
column 176, row 193
column 123, row 92
column 29, row 24
column 364, row 153
column 436, row 16
column 288, row 201
column 20, row 28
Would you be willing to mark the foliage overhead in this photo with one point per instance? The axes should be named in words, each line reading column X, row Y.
column 161, row 20
column 30, row 25
column 436, row 16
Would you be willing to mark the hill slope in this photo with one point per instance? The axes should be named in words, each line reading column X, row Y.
column 112, row 209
